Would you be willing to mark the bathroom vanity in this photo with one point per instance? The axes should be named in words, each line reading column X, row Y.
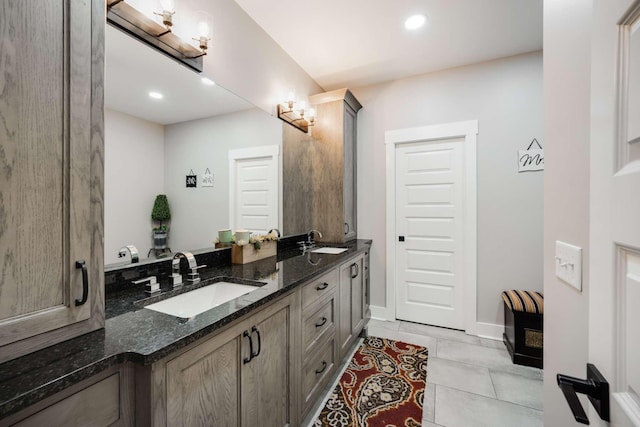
column 263, row 358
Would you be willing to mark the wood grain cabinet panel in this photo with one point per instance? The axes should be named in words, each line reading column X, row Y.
column 352, row 302
column 319, row 288
column 319, row 177
column 105, row 399
column 318, row 322
column 244, row 376
column 51, row 172
column 334, row 181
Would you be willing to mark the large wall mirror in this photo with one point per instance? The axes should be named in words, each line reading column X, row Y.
column 152, row 144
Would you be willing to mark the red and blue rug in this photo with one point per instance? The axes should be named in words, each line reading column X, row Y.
column 383, row 386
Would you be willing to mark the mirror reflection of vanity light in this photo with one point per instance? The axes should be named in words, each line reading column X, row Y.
column 208, row 82
column 156, row 95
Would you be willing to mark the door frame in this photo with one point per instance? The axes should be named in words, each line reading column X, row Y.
column 272, row 151
column 393, row 138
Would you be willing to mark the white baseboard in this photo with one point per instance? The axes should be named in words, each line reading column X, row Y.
column 492, row 331
column 380, row 313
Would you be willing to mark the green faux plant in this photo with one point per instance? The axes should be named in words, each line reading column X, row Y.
column 161, row 212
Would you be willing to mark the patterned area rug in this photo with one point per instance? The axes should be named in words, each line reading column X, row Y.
column 383, row 386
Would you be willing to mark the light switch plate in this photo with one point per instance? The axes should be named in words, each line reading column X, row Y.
column 569, row 264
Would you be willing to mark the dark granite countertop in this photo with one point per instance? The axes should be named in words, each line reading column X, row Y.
column 143, row 336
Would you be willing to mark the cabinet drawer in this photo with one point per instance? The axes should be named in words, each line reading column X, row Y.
column 317, row 369
column 317, row 322
column 319, row 288
column 97, row 405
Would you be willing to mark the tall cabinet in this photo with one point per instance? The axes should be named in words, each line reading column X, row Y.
column 51, row 172
column 319, row 178
column 334, row 184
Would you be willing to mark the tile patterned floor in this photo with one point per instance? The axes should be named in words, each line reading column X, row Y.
column 471, row 381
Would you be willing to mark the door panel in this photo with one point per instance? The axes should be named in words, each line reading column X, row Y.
column 614, row 276
column 253, row 197
column 429, row 209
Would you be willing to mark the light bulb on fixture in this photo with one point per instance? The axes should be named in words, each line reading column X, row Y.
column 168, row 10
column 291, row 99
column 204, row 30
column 312, row 116
column 302, row 107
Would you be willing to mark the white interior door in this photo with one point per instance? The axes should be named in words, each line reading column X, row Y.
column 254, row 189
column 429, row 228
column 614, row 294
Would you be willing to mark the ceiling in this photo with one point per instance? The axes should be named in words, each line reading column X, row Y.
column 339, row 43
column 351, row 43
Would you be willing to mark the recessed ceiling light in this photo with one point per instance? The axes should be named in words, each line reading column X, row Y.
column 208, row 82
column 156, row 95
column 414, row 22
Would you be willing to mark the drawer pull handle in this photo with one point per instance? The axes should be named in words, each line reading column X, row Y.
column 248, row 359
column 321, row 370
column 322, row 322
column 322, row 287
column 357, row 267
column 85, row 282
column 257, row 353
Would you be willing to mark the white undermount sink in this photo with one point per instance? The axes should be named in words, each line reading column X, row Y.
column 202, row 299
column 333, row 251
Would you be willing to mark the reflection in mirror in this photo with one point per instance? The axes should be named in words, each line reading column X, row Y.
column 151, row 145
column 633, row 94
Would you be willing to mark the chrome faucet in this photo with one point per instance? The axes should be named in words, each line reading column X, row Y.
column 192, row 276
column 133, row 251
column 310, row 240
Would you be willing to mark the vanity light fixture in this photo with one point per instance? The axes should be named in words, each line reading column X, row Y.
column 144, row 28
column 296, row 116
column 156, row 95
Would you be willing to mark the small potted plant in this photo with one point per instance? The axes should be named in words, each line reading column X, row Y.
column 160, row 213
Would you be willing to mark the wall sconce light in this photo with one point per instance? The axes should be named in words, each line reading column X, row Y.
column 296, row 117
column 159, row 36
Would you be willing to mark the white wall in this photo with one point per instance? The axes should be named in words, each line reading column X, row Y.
column 134, row 175
column 505, row 96
column 198, row 213
column 247, row 61
column 567, row 68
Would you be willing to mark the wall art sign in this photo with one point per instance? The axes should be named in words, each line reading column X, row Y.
column 191, row 180
column 207, row 178
column 531, row 159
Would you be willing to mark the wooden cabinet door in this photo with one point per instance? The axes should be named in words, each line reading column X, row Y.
column 351, row 303
column 266, row 392
column 345, row 336
column 357, row 295
column 203, row 384
column 51, row 146
column 349, row 184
